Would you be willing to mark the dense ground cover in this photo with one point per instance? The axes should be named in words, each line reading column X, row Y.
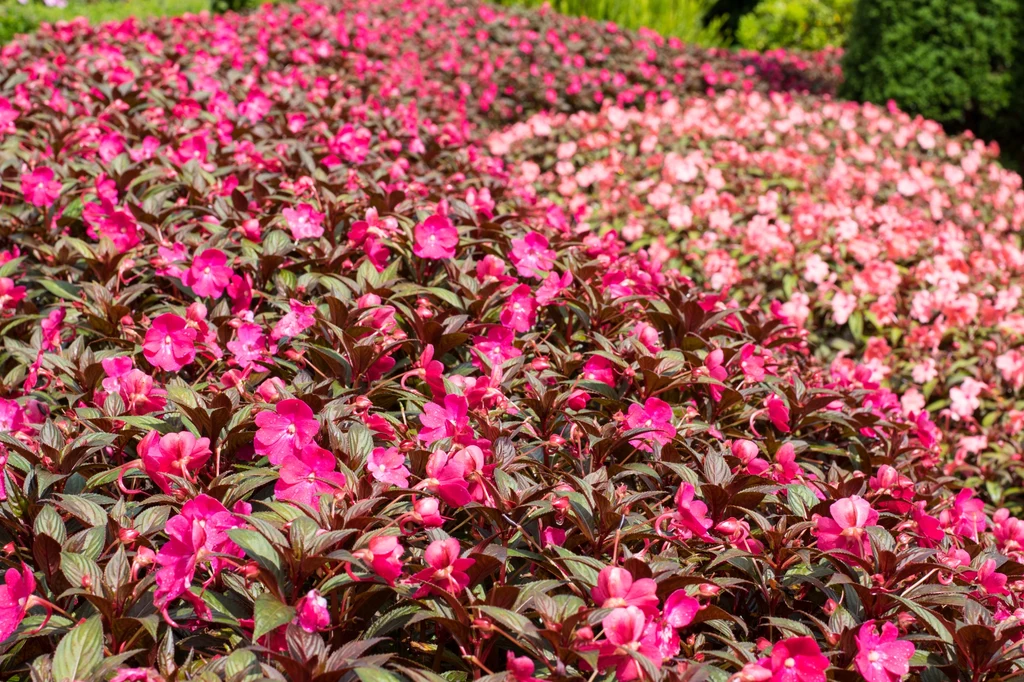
column 892, row 244
column 307, row 376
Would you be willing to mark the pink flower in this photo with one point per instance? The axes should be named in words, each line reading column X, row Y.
column 12, row 416
column 297, row 320
column 286, row 430
column 778, row 413
column 176, row 454
column 626, row 630
column 656, row 417
column 690, row 517
column 426, row 511
column 198, row 531
column 382, row 555
column 304, row 222
column 520, row 310
column 846, row 529
column 553, row 286
column 882, row 657
column 40, row 187
column 797, row 659
column 599, row 368
column 531, row 255
column 989, row 580
column 308, row 475
column 311, row 613
column 446, row 478
column 249, row 346
column 445, row 570
column 448, row 421
column 616, row 588
column 170, row 343
column 139, row 394
column 967, row 517
column 435, row 238
column 209, row 274
column 10, row 295
column 388, row 466
column 15, row 599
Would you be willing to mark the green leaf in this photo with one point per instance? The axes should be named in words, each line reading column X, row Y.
column 79, row 652
column 259, row 549
column 270, row 614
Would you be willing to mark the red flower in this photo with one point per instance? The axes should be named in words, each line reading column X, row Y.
column 176, row 454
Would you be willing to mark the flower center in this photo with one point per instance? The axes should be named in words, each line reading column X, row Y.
column 167, row 340
column 873, row 656
column 790, row 662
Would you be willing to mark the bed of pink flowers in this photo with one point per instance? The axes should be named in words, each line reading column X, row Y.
column 894, row 246
column 314, row 371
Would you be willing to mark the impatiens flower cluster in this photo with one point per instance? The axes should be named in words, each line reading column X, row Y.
column 420, row 339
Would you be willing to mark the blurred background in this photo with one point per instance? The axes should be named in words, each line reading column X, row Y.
column 959, row 62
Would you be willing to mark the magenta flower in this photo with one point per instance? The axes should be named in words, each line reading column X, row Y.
column 297, row 320
column 616, row 588
column 170, row 343
column 176, row 454
column 139, row 394
column 448, row 421
column 308, row 475
column 445, row 570
column 286, row 430
column 304, row 222
column 199, row 530
column 311, row 613
column 520, row 310
column 382, row 555
column 435, row 238
column 249, row 346
column 655, row 415
column 209, row 274
column 882, row 657
column 40, row 187
column 967, row 517
column 797, row 659
column 778, row 413
column 845, row 530
column 15, row 599
column 532, row 255
column 690, row 517
column 388, row 466
column 446, row 478
column 10, row 295
column 599, row 368
column 627, row 630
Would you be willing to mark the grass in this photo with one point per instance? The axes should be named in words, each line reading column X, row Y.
column 687, row 20
column 16, row 18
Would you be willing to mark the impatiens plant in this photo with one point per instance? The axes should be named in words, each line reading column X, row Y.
column 315, row 368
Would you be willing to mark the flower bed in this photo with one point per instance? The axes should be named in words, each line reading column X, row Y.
column 300, row 381
column 890, row 243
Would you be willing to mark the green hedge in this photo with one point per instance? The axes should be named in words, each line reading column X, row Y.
column 950, row 60
column 800, row 24
column 688, row 20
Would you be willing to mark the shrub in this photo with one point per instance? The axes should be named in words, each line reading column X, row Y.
column 949, row 60
column 688, row 20
column 803, row 24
